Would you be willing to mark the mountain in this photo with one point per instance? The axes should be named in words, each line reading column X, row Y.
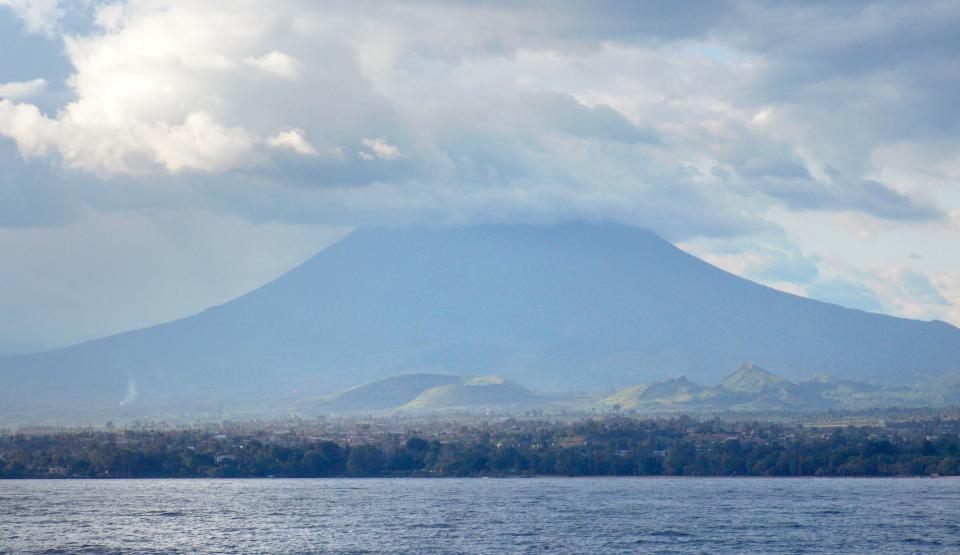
column 760, row 384
column 480, row 391
column 750, row 378
column 563, row 307
column 385, row 394
column 665, row 393
column 423, row 392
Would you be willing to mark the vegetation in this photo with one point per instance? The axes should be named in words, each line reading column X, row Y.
column 605, row 447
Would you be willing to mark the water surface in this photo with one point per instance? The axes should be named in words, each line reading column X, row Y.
column 590, row 515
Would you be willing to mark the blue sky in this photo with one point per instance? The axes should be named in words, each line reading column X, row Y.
column 159, row 157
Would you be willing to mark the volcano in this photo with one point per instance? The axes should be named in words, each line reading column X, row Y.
column 587, row 307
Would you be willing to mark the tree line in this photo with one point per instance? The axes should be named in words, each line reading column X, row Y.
column 604, row 447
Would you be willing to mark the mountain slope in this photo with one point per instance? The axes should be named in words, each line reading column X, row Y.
column 665, row 393
column 576, row 306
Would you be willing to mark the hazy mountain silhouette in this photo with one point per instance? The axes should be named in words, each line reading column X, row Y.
column 575, row 306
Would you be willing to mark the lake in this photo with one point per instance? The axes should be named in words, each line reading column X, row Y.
column 540, row 515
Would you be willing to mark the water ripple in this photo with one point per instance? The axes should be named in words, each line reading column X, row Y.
column 547, row 515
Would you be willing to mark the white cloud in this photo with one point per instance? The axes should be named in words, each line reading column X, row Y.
column 198, row 143
column 277, row 63
column 144, row 103
column 294, row 140
column 38, row 16
column 18, row 90
column 25, row 124
column 379, row 148
column 110, row 16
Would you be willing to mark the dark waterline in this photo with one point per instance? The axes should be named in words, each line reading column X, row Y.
column 583, row 515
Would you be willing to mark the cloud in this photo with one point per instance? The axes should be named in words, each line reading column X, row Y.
column 294, row 140
column 568, row 115
column 277, row 63
column 745, row 128
column 918, row 287
column 868, row 197
column 880, row 200
column 198, row 143
column 899, row 288
column 38, row 16
column 18, row 90
column 567, row 106
column 379, row 148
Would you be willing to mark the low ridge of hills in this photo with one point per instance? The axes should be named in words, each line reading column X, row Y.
column 748, row 389
column 754, row 389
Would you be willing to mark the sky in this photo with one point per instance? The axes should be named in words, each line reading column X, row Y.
column 158, row 156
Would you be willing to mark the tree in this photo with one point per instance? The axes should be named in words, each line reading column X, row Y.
column 365, row 460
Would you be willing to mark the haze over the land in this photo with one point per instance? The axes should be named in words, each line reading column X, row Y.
column 160, row 157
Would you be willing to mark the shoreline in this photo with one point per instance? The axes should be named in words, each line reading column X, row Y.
column 471, row 478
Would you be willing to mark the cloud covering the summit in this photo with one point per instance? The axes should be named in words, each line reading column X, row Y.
column 812, row 146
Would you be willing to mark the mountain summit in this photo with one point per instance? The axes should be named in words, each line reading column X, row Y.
column 750, row 378
column 574, row 306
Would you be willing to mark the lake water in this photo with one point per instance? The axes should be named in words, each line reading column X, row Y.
column 602, row 515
